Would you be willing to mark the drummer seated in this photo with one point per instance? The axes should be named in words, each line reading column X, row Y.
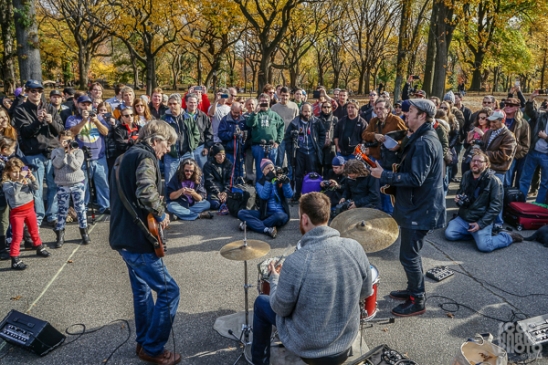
column 360, row 187
column 315, row 324
column 273, row 209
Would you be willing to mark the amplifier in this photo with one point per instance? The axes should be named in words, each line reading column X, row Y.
column 29, row 333
column 535, row 329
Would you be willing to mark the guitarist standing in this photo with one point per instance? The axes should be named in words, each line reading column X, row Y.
column 420, row 200
column 136, row 191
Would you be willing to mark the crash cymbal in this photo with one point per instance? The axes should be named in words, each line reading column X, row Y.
column 373, row 229
column 238, row 252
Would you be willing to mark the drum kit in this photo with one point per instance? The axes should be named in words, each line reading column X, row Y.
column 373, row 229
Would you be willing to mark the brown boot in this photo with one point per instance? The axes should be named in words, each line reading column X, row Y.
column 516, row 237
column 165, row 358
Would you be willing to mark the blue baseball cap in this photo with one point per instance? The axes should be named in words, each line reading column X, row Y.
column 405, row 106
column 84, row 99
column 338, row 161
column 34, row 84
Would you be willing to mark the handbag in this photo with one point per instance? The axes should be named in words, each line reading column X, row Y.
column 481, row 351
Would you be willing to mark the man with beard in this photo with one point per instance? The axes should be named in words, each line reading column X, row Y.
column 341, row 111
column 232, row 132
column 420, row 200
column 329, row 122
column 480, row 200
column 297, row 297
column 367, row 111
column 193, row 115
column 349, row 131
column 217, row 173
column 310, row 137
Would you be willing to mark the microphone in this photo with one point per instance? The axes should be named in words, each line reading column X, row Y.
column 263, row 141
column 271, row 141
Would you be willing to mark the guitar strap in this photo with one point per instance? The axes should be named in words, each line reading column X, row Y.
column 129, row 207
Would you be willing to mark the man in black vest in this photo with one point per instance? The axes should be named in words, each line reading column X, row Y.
column 140, row 181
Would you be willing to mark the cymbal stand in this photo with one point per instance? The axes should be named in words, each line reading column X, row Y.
column 246, row 328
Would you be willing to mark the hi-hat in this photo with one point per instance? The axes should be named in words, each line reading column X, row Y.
column 239, row 252
column 373, row 229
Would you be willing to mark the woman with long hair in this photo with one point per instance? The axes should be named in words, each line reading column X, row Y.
column 186, row 192
column 6, row 129
column 474, row 137
column 127, row 132
column 142, row 112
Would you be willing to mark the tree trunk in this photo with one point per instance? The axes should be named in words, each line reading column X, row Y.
column 431, row 51
column 151, row 74
column 135, row 68
column 476, row 75
column 28, row 46
column 496, row 74
column 264, row 71
column 361, row 80
column 403, row 46
column 82, row 69
column 8, row 64
column 543, row 72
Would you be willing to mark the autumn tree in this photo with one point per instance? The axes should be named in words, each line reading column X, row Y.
column 28, row 45
column 8, row 48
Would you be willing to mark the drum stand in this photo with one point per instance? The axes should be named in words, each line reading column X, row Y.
column 246, row 328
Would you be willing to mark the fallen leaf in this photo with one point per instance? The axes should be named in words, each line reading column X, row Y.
column 385, row 329
column 70, row 261
column 450, row 315
column 17, row 297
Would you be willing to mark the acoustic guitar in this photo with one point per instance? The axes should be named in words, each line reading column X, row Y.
column 359, row 152
column 156, row 230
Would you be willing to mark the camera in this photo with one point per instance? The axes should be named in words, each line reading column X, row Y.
column 371, row 144
column 326, row 183
column 224, row 96
column 238, row 132
column 73, row 145
column 92, row 114
column 281, row 171
column 197, row 88
column 415, row 77
column 343, row 207
column 87, row 152
column 107, row 116
column 478, row 142
column 263, row 105
column 316, row 94
column 463, row 200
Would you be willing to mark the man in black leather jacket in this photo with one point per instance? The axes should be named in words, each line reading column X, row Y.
column 480, row 200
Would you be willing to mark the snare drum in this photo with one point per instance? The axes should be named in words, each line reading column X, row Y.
column 263, row 285
column 370, row 308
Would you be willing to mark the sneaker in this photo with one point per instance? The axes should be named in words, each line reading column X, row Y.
column 496, row 230
column 516, row 237
column 413, row 306
column 172, row 217
column 272, row 232
column 533, row 194
column 400, row 294
column 165, row 358
column 205, row 215
column 241, row 226
column 17, row 264
column 41, row 251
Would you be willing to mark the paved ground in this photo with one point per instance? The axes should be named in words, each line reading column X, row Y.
column 89, row 285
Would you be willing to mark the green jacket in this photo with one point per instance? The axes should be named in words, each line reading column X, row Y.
column 267, row 126
column 185, row 128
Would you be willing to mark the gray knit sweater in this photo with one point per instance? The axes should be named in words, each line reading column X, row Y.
column 316, row 297
column 18, row 194
column 68, row 166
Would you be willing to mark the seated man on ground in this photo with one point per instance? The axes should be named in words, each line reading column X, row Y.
column 316, row 324
column 480, row 200
column 187, row 194
column 334, row 181
column 273, row 209
column 362, row 188
column 217, row 173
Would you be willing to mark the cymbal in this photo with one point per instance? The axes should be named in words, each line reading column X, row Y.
column 238, row 252
column 373, row 229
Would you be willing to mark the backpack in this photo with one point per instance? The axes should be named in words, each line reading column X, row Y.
column 240, row 197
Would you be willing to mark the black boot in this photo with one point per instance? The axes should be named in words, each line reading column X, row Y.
column 85, row 236
column 60, row 238
column 400, row 294
column 41, row 251
column 17, row 264
column 4, row 249
column 27, row 239
column 413, row 306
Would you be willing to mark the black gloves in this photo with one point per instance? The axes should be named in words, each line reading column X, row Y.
column 283, row 179
column 270, row 176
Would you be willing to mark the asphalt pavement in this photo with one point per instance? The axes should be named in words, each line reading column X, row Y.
column 87, row 287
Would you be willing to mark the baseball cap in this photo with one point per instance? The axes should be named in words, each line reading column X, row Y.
column 405, row 106
column 337, row 161
column 33, row 84
column 449, row 97
column 84, row 99
column 497, row 114
column 512, row 101
column 55, row 92
column 420, row 93
column 68, row 91
column 424, row 105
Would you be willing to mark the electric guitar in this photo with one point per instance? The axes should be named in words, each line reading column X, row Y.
column 156, row 230
column 359, row 152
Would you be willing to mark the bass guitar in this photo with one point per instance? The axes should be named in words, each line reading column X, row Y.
column 360, row 154
column 156, row 230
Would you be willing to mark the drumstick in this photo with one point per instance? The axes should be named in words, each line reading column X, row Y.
column 284, row 255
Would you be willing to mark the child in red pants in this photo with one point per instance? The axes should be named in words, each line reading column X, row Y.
column 18, row 184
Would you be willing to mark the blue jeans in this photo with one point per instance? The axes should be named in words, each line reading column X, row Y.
column 457, row 230
column 171, row 164
column 77, row 191
column 412, row 241
column 263, row 320
column 99, row 174
column 386, row 204
column 200, row 160
column 153, row 321
column 44, row 169
column 214, row 203
column 258, row 155
column 188, row 214
column 498, row 220
column 254, row 222
column 532, row 160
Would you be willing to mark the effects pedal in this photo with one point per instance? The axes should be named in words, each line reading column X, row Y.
column 439, row 273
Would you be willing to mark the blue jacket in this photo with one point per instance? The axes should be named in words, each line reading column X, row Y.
column 420, row 199
column 226, row 130
column 272, row 197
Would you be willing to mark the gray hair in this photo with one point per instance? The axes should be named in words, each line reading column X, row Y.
column 175, row 97
column 193, row 95
column 157, row 130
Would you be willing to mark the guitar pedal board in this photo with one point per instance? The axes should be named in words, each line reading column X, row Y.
column 535, row 329
column 439, row 273
column 16, row 334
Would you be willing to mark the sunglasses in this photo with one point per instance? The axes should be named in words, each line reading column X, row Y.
column 173, row 104
column 36, row 91
column 188, row 170
column 482, row 118
column 372, row 94
column 443, row 108
column 326, row 107
column 127, row 115
column 139, row 106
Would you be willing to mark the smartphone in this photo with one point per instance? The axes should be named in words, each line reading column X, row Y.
column 415, row 77
column 197, row 88
column 224, row 96
column 263, row 105
column 25, row 168
column 316, row 94
column 516, row 83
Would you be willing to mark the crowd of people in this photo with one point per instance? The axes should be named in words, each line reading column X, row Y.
column 105, row 153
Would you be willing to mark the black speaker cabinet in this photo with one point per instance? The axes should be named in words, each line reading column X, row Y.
column 32, row 334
